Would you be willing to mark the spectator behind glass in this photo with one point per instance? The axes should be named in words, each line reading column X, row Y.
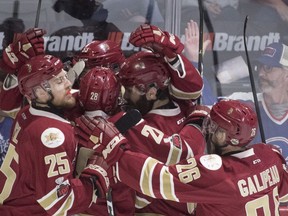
column 93, row 16
column 217, row 9
column 269, row 16
column 5, row 127
column 272, row 68
column 144, row 11
column 191, row 50
column 10, row 26
column 272, row 8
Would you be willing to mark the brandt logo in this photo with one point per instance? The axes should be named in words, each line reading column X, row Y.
column 67, row 42
column 221, row 42
column 225, row 42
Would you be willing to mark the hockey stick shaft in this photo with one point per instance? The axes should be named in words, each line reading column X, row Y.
column 262, row 134
column 200, row 55
column 15, row 9
column 38, row 13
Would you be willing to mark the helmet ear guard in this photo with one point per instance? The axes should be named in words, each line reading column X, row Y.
column 238, row 119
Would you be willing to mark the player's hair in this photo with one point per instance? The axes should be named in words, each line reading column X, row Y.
column 237, row 118
column 36, row 72
column 105, row 53
column 143, row 70
column 99, row 90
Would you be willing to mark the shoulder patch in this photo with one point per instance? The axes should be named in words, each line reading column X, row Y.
column 52, row 137
column 211, row 162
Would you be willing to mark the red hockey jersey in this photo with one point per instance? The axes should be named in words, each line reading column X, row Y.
column 36, row 177
column 162, row 135
column 186, row 82
column 252, row 182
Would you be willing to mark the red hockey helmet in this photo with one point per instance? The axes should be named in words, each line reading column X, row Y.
column 105, row 53
column 238, row 119
column 99, row 90
column 36, row 72
column 144, row 69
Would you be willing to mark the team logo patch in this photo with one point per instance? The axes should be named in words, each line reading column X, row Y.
column 211, row 162
column 62, row 190
column 176, row 141
column 52, row 137
column 63, row 187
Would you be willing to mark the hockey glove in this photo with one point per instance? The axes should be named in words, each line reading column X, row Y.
column 153, row 38
column 198, row 115
column 25, row 46
column 102, row 136
column 100, row 174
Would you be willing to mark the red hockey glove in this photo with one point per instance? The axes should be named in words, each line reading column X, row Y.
column 102, row 136
column 25, row 46
column 153, row 38
column 100, row 173
column 198, row 115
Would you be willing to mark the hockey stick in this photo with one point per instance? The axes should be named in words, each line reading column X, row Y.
column 210, row 28
column 12, row 36
column 253, row 85
column 25, row 101
column 200, row 55
column 15, row 9
column 38, row 13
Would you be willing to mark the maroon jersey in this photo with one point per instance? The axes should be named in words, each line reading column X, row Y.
column 10, row 97
column 162, row 135
column 186, row 81
column 36, row 177
column 157, row 136
column 252, row 182
column 123, row 199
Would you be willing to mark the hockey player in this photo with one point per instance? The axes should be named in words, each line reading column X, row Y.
column 99, row 93
column 148, row 80
column 97, row 96
column 232, row 179
column 36, row 177
column 106, row 53
column 152, row 82
column 26, row 45
column 272, row 70
column 162, row 85
column 185, row 81
column 97, row 53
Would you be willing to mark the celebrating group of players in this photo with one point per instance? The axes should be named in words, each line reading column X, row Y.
column 124, row 136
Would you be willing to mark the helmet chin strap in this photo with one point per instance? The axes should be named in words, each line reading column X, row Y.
column 219, row 149
column 47, row 106
column 213, row 148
